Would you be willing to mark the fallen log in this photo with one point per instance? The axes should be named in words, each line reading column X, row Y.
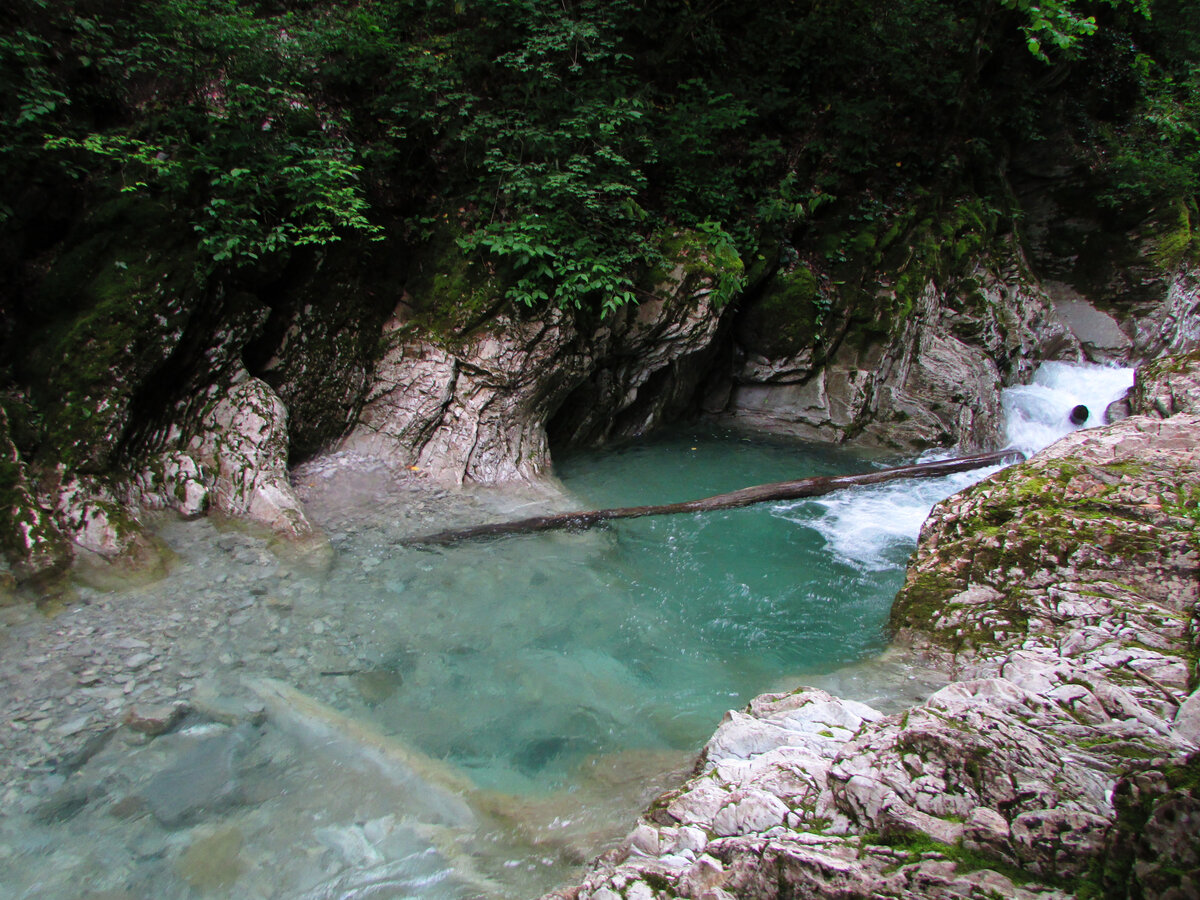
column 762, row 493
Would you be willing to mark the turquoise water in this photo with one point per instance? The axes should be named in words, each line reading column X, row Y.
column 470, row 721
column 546, row 650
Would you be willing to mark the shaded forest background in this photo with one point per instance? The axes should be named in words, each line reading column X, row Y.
column 549, row 148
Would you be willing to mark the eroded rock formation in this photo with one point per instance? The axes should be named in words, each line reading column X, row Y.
column 928, row 376
column 477, row 407
column 1062, row 597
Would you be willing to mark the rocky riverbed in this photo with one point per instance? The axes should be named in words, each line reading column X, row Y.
column 176, row 738
column 1061, row 596
column 199, row 713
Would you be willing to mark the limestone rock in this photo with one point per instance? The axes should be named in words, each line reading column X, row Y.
column 930, row 378
column 28, row 532
column 1167, row 386
column 156, row 719
column 1097, row 332
column 1062, row 596
column 476, row 412
column 1171, row 326
column 245, row 442
column 1186, row 725
column 205, row 779
column 477, row 407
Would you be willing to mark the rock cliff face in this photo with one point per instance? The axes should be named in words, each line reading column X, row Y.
column 477, row 408
column 1062, row 596
column 201, row 403
column 912, row 353
column 150, row 389
column 927, row 376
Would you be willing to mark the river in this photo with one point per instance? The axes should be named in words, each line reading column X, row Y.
column 477, row 720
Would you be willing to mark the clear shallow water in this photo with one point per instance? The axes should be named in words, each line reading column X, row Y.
column 468, row 721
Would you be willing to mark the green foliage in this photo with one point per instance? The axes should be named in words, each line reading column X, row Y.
column 563, row 134
column 237, row 137
column 1157, row 152
column 1060, row 24
column 137, row 159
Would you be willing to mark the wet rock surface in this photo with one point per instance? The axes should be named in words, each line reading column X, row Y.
column 1061, row 597
column 931, row 379
column 477, row 407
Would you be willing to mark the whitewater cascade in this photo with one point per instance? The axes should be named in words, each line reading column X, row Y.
column 875, row 528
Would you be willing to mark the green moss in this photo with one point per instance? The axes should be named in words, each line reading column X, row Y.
column 786, row 317
column 704, row 256
column 115, row 303
column 451, row 293
column 917, row 844
column 922, row 600
column 1121, row 749
column 659, row 883
column 1175, row 240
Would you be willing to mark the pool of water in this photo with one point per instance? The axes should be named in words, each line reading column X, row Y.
column 473, row 720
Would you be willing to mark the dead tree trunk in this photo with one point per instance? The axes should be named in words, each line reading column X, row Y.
column 780, row 490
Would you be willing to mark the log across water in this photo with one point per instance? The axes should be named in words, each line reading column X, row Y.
column 762, row 493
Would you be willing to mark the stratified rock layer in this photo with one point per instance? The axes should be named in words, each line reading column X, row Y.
column 931, row 377
column 1062, row 595
column 477, row 407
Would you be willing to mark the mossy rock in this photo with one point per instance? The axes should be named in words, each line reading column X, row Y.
column 323, row 335
column 115, row 306
column 449, row 292
column 1152, row 851
column 922, row 599
column 28, row 535
column 785, row 318
column 1173, row 236
column 696, row 263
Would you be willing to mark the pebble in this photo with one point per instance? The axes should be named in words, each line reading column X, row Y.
column 99, row 673
column 74, row 726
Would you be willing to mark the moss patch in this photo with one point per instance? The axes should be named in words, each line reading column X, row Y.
column 449, row 293
column 115, row 303
column 694, row 260
column 787, row 316
column 1173, row 238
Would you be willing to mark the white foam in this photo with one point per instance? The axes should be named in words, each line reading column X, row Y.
column 1037, row 414
column 875, row 528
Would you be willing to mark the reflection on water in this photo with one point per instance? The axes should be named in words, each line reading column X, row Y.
column 476, row 720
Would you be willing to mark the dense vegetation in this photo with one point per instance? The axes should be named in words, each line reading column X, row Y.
column 183, row 182
column 556, row 138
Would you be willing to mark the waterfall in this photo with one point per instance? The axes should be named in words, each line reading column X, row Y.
column 1039, row 413
column 875, row 528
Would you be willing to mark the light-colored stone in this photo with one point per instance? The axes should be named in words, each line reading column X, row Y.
column 1067, row 661
column 1186, row 725
column 478, row 408
column 1097, row 332
column 934, row 380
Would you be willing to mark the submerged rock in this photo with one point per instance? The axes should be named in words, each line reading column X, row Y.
column 205, row 779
